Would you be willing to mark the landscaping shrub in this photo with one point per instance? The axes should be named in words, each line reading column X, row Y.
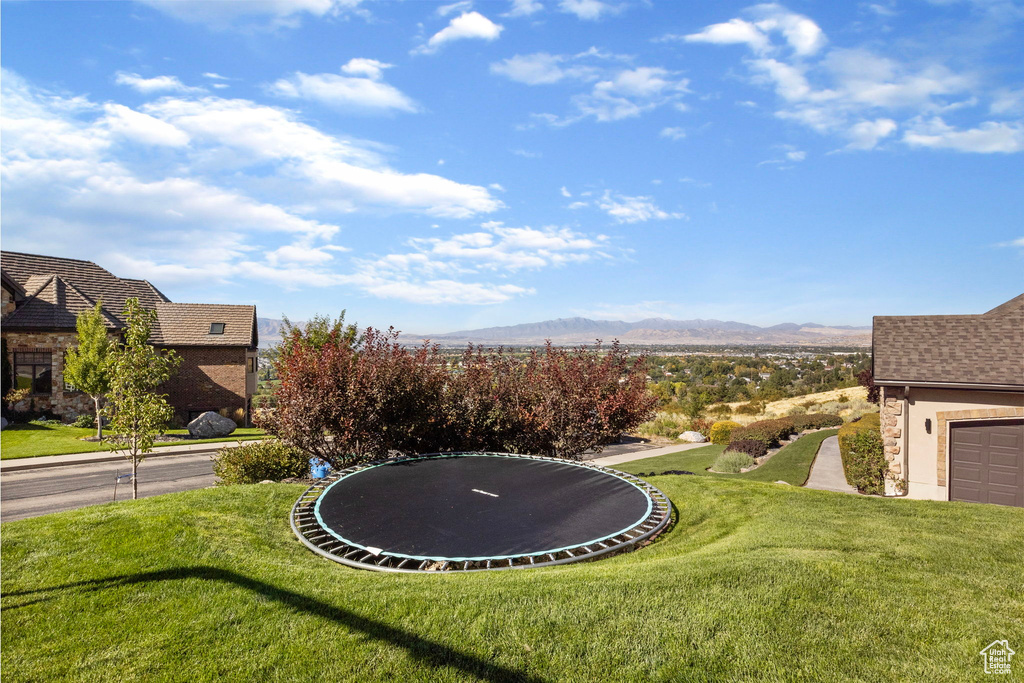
column 663, row 425
column 701, row 425
column 720, row 431
column 815, row 421
column 752, row 447
column 732, row 462
column 259, row 461
column 771, row 432
column 347, row 398
column 861, row 448
column 85, row 421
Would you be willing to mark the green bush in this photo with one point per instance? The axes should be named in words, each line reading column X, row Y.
column 664, row 425
column 752, row 447
column 85, row 421
column 771, row 432
column 815, row 421
column 720, row 431
column 259, row 461
column 731, row 462
column 860, row 445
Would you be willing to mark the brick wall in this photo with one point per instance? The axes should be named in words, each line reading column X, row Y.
column 65, row 404
column 209, row 378
column 7, row 304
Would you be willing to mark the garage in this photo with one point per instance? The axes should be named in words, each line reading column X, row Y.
column 987, row 462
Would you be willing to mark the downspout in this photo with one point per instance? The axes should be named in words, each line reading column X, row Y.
column 905, row 431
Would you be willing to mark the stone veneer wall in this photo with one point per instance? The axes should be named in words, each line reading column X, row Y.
column 67, row 405
column 893, row 437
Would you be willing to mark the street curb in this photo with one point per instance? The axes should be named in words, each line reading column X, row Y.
column 44, row 461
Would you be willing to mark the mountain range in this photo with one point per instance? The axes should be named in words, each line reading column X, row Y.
column 647, row 331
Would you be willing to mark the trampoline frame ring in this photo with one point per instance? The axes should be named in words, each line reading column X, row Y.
column 307, row 528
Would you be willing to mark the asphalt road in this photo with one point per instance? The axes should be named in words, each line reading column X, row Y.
column 30, row 493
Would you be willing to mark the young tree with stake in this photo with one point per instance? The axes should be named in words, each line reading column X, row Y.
column 86, row 366
column 136, row 369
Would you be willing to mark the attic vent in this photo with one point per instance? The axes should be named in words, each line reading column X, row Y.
column 216, row 328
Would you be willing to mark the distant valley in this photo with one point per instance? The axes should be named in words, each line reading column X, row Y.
column 650, row 331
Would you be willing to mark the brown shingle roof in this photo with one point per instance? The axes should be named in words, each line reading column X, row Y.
column 189, row 325
column 58, row 289
column 98, row 284
column 985, row 349
column 53, row 302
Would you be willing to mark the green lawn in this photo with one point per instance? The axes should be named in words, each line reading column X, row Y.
column 791, row 464
column 754, row 582
column 30, row 440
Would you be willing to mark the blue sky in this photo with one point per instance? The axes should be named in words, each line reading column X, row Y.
column 450, row 166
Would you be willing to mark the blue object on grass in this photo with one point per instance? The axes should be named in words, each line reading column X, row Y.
column 318, row 469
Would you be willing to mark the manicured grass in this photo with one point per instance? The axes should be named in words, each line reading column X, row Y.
column 792, row 464
column 31, row 440
column 754, row 582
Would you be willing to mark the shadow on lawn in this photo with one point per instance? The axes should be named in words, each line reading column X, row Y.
column 427, row 651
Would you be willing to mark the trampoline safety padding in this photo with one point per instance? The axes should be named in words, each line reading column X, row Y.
column 449, row 512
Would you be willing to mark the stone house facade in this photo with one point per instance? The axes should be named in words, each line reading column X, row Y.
column 952, row 395
column 42, row 297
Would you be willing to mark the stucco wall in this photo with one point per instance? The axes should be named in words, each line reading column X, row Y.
column 926, row 455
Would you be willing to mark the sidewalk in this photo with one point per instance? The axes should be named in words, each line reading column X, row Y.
column 613, row 460
column 37, row 462
column 20, row 464
column 827, row 472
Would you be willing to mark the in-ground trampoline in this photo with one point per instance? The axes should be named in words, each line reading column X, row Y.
column 476, row 511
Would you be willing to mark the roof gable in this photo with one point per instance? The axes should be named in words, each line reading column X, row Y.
column 31, row 271
column 985, row 349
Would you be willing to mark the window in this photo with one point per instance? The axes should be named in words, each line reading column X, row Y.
column 216, row 328
column 251, row 364
column 33, row 371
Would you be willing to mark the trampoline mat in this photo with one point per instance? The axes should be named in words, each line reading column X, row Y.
column 477, row 506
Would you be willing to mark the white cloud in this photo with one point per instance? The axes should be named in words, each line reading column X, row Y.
column 732, row 32
column 337, row 174
column 1019, row 243
column 252, row 14
column 673, row 133
column 68, row 178
column 139, row 127
column 989, row 137
column 625, row 209
column 540, row 68
column 524, row 8
column 369, row 68
column 149, row 86
column 617, row 93
column 346, row 93
column 588, row 10
column 858, row 94
column 867, row 134
column 469, row 25
column 565, row 192
column 801, row 34
column 215, row 76
column 463, row 6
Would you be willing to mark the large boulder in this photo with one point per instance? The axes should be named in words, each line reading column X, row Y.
column 211, row 425
column 692, row 437
column 3, row 423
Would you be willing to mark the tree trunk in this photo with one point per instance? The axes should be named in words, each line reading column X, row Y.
column 135, row 482
column 99, row 419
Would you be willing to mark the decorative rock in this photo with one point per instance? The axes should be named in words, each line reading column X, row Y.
column 692, row 437
column 210, row 425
